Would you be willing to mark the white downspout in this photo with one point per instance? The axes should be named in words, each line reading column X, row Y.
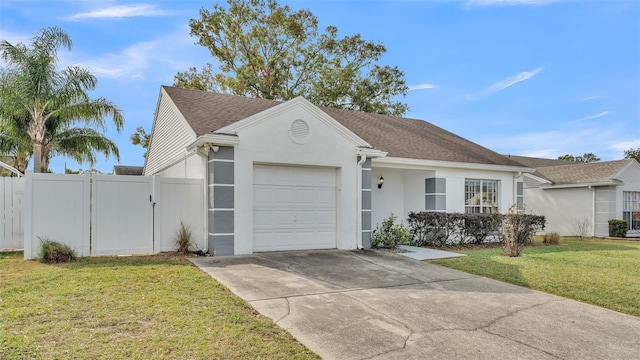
column 363, row 158
column 593, row 210
column 203, row 152
column 515, row 190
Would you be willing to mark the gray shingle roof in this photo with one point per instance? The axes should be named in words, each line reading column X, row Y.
column 583, row 172
column 400, row 137
column 538, row 162
column 127, row 170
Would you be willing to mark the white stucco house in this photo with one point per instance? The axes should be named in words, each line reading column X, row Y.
column 569, row 193
column 291, row 175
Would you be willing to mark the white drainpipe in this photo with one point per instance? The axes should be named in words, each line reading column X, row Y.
column 203, row 152
column 363, row 158
column 593, row 210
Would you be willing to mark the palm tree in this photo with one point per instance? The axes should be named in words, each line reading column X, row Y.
column 15, row 144
column 42, row 98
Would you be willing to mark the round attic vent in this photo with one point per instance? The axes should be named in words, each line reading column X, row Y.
column 299, row 131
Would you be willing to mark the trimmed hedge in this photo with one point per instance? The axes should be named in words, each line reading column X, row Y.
column 438, row 228
column 618, row 228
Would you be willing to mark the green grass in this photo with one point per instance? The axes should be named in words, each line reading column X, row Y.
column 600, row 272
column 129, row 308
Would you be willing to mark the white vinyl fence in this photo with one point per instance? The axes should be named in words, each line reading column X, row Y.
column 11, row 215
column 111, row 215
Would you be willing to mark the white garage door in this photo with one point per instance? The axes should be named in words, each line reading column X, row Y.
column 294, row 208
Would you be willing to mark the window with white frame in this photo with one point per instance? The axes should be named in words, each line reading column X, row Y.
column 631, row 209
column 481, row 196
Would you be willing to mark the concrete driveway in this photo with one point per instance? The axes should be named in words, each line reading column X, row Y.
column 374, row 305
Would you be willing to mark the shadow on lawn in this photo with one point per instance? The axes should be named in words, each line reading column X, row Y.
column 113, row 261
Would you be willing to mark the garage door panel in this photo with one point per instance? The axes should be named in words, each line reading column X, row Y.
column 263, row 218
column 263, row 195
column 294, row 208
column 326, row 219
column 325, row 240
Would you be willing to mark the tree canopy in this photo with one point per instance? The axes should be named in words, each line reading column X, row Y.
column 40, row 105
column 142, row 138
column 269, row 51
column 632, row 154
column 586, row 158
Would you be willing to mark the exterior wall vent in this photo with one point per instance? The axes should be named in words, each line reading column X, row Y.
column 299, row 131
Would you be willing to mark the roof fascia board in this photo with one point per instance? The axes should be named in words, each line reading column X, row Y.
column 407, row 163
column 288, row 105
column 214, row 139
column 371, row 153
column 589, row 184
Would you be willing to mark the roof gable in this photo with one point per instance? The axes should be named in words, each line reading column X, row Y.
column 258, row 118
column 207, row 112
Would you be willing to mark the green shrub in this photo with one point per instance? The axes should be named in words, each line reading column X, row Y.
column 552, row 238
column 618, row 228
column 183, row 238
column 52, row 252
column 390, row 234
column 438, row 228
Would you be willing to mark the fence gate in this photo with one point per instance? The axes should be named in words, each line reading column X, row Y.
column 121, row 215
column 11, row 215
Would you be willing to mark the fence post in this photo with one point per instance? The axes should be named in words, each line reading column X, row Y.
column 28, row 216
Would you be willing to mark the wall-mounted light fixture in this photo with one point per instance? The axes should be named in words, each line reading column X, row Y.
column 380, row 182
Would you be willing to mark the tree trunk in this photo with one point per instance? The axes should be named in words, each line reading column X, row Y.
column 37, row 157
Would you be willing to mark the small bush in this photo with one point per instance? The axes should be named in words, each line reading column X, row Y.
column 183, row 238
column 390, row 234
column 512, row 230
column 552, row 238
column 582, row 227
column 53, row 252
column 618, row 228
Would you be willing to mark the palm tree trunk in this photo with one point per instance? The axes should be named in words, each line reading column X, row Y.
column 37, row 157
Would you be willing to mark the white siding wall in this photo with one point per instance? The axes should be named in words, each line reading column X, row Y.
column 404, row 190
column 269, row 143
column 170, row 136
column 561, row 207
column 631, row 179
column 190, row 167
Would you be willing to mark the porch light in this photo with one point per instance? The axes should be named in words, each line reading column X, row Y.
column 380, row 182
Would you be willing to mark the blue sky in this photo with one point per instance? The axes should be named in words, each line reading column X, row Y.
column 523, row 77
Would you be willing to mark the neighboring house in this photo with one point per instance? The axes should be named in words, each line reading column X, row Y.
column 291, row 175
column 128, row 170
column 570, row 194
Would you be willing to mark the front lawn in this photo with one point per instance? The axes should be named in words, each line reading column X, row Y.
column 601, row 272
column 129, row 308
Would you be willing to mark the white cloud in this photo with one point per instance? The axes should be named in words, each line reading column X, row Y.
column 591, row 117
column 421, row 87
column 589, row 98
column 158, row 59
column 510, row 81
column 503, row 84
column 478, row 3
column 120, row 11
column 625, row 145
